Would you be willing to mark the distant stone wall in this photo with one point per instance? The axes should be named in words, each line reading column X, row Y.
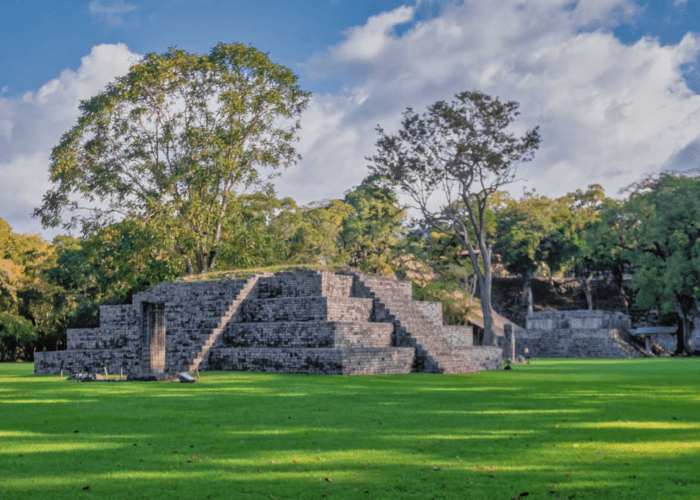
column 580, row 319
column 458, row 335
column 309, row 334
column 576, row 334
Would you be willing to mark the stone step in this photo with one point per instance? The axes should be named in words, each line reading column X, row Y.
column 357, row 361
column 433, row 352
column 348, row 310
column 311, row 284
column 307, row 334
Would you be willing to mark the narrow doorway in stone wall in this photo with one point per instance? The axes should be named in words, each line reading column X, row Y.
column 153, row 349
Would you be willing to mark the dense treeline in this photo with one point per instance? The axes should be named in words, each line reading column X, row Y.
column 653, row 233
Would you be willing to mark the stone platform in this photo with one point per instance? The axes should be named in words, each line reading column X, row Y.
column 576, row 334
column 304, row 322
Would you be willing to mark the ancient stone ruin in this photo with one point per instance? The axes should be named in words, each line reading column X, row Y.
column 576, row 334
column 303, row 322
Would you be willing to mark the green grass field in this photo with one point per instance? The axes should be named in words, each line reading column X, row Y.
column 554, row 429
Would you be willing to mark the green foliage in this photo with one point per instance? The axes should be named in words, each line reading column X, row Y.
column 463, row 152
column 662, row 217
column 372, row 226
column 14, row 332
column 522, row 226
column 667, row 232
column 25, row 292
column 173, row 142
column 108, row 268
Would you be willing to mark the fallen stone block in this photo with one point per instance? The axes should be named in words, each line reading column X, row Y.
column 186, row 378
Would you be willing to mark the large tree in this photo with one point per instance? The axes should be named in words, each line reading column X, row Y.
column 522, row 226
column 666, row 214
column 462, row 152
column 172, row 142
column 371, row 228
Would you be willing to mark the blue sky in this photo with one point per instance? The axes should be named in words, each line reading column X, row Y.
column 613, row 84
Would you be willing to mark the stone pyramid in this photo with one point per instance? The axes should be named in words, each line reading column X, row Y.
column 303, row 322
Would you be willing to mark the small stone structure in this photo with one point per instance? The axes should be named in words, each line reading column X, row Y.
column 577, row 334
column 303, row 322
column 652, row 335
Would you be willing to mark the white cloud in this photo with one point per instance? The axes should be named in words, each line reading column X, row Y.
column 113, row 13
column 608, row 112
column 32, row 124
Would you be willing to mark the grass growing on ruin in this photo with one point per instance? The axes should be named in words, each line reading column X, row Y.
column 245, row 273
column 554, row 429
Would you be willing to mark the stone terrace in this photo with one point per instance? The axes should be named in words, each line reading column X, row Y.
column 304, row 322
column 576, row 334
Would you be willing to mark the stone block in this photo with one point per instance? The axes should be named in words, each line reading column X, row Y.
column 186, row 378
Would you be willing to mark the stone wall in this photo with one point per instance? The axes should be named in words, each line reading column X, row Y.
column 581, row 319
column 88, row 361
column 310, row 334
column 576, row 334
column 432, row 311
column 487, row 358
column 458, row 335
column 365, row 361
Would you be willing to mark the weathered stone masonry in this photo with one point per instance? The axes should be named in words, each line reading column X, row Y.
column 576, row 334
column 306, row 322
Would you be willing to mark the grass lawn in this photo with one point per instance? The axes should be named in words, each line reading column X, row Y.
column 555, row 429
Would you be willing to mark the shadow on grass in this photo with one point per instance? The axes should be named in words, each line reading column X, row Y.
column 552, row 429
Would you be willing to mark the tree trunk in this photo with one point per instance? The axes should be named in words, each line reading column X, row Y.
column 12, row 346
column 485, row 289
column 586, row 285
column 185, row 257
column 201, row 261
column 617, row 272
column 470, row 287
column 212, row 259
column 527, row 292
column 683, row 306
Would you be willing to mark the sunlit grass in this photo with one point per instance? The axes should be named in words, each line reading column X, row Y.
column 555, row 428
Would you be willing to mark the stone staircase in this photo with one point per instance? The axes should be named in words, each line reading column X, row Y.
column 223, row 321
column 393, row 303
column 195, row 314
column 308, row 323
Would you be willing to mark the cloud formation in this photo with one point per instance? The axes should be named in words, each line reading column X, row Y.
column 112, row 13
column 32, row 124
column 608, row 112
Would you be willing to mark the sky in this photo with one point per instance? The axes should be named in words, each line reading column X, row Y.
column 614, row 85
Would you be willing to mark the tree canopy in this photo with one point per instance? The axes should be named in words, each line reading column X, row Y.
column 666, row 212
column 172, row 142
column 463, row 152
